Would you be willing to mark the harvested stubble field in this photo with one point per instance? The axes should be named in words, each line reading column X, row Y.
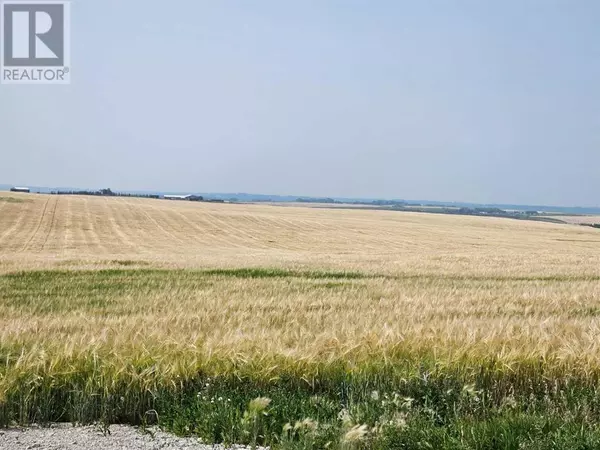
column 364, row 329
column 579, row 220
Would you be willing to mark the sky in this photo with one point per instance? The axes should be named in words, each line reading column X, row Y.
column 449, row 100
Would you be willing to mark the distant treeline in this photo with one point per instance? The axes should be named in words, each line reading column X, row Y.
column 494, row 212
column 316, row 200
column 104, row 193
column 338, row 202
column 487, row 212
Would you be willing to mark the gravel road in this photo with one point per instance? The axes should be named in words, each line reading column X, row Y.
column 68, row 437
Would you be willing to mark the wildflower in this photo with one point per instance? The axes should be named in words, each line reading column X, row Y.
column 259, row 404
column 509, row 402
column 356, row 434
column 375, row 395
column 399, row 421
column 345, row 417
column 307, row 424
column 407, row 402
column 470, row 391
column 316, row 399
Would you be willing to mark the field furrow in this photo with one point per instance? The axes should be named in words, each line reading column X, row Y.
column 51, row 227
column 32, row 227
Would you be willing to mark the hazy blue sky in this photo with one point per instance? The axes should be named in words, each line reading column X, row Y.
column 483, row 101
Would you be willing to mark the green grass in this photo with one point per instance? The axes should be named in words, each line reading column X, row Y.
column 13, row 200
column 404, row 408
column 260, row 273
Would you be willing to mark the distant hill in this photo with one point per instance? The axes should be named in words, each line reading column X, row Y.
column 246, row 197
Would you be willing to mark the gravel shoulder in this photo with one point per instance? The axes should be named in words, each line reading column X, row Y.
column 68, row 437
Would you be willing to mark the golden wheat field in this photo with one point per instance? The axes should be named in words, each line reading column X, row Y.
column 388, row 327
column 455, row 287
column 43, row 231
column 579, row 220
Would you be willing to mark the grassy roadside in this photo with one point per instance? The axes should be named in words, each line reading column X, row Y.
column 306, row 359
column 393, row 406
